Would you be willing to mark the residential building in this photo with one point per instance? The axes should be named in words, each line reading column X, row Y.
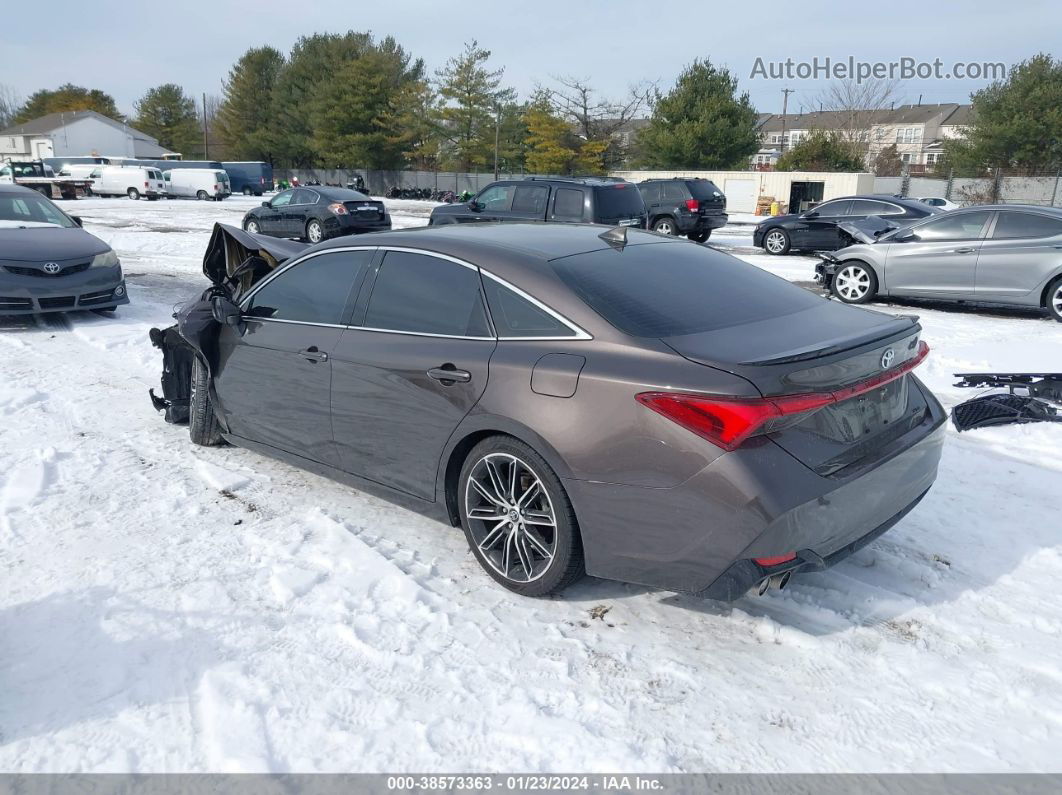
column 76, row 133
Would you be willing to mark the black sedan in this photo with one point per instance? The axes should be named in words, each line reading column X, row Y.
column 316, row 214
column 816, row 229
column 48, row 263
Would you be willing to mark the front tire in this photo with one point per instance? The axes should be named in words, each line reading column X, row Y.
column 252, row 227
column 854, row 283
column 517, row 518
column 1054, row 300
column 133, row 194
column 664, row 226
column 203, row 425
column 776, row 242
column 314, row 231
column 202, row 195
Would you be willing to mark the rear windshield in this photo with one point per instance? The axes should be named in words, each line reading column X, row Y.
column 221, row 176
column 672, row 289
column 620, row 200
column 703, row 189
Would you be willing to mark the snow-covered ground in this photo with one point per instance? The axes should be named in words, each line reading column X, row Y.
column 167, row 608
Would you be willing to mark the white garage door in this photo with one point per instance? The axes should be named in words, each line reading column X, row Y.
column 740, row 195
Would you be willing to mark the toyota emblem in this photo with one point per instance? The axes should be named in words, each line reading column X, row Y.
column 886, row 358
column 51, row 267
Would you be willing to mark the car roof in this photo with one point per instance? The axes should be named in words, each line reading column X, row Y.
column 1054, row 211
column 593, row 182
column 7, row 187
column 675, row 179
column 339, row 194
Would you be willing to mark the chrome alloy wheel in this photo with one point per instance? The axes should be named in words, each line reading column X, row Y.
column 1056, row 301
column 314, row 232
column 852, row 283
column 774, row 242
column 511, row 518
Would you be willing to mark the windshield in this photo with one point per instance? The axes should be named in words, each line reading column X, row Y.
column 32, row 209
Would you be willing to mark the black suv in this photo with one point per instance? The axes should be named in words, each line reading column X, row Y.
column 572, row 201
column 690, row 207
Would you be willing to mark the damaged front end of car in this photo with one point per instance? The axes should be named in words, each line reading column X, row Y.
column 234, row 262
column 865, row 231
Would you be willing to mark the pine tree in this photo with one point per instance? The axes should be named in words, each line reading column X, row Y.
column 701, row 123
column 245, row 119
column 168, row 114
column 67, row 98
column 473, row 95
column 888, row 163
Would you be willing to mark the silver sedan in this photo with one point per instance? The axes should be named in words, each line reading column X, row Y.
column 1000, row 254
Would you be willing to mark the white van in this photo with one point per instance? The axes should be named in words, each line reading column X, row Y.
column 198, row 183
column 131, row 181
column 78, row 170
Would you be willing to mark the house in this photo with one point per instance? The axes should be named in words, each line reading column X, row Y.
column 76, row 133
column 916, row 130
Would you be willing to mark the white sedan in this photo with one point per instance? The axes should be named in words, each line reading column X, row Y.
column 939, row 201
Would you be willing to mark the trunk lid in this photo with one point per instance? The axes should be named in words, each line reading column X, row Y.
column 824, row 350
column 365, row 209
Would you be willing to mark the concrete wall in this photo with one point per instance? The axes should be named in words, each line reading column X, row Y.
column 1043, row 191
column 767, row 183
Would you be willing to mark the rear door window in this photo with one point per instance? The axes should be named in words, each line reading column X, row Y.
column 1015, row 225
column 621, row 200
column 423, row 294
column 530, row 200
column 650, row 192
column 671, row 289
column 870, row 207
column 674, row 191
column 568, row 204
column 833, row 209
column 313, row 291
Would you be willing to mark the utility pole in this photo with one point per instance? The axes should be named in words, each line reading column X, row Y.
column 785, row 106
column 206, row 145
column 497, row 124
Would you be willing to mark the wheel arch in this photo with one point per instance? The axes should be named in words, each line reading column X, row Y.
column 1048, row 284
column 471, row 433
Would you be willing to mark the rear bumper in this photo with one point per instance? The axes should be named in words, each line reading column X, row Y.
column 709, row 222
column 346, row 225
column 757, row 502
column 95, row 288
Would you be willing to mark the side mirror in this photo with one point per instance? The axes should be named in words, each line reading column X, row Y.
column 225, row 312
column 77, row 220
column 903, row 237
column 265, row 204
column 474, row 205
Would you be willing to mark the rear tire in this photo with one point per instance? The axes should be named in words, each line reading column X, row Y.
column 1054, row 300
column 776, row 242
column 665, row 226
column 699, row 237
column 854, row 282
column 133, row 194
column 247, row 191
column 203, row 425
column 201, row 196
column 530, row 536
column 314, row 231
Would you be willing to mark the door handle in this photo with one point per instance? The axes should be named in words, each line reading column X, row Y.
column 964, row 250
column 448, row 374
column 313, row 355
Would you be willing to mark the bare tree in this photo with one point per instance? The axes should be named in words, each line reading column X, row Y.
column 857, row 105
column 9, row 105
column 596, row 118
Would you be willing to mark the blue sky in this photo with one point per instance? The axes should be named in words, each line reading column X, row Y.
column 116, row 46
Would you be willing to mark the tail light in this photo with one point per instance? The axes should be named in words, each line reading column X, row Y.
column 337, row 208
column 261, row 180
column 728, row 422
column 215, row 187
column 693, row 205
column 776, row 560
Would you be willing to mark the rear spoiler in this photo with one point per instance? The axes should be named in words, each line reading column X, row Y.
column 239, row 260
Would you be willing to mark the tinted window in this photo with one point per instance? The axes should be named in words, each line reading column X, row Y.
column 650, row 192
column 674, row 190
column 281, row 199
column 618, row 201
column 314, row 291
column 421, row 293
column 833, row 208
column 704, row 189
column 962, row 226
column 304, row 196
column 568, row 204
column 497, row 198
column 515, row 316
column 868, row 207
column 1011, row 224
column 33, row 208
column 531, row 199
column 670, row 289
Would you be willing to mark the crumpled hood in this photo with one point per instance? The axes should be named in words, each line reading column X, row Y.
column 44, row 243
column 869, row 229
column 230, row 248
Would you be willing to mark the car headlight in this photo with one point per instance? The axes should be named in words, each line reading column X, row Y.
column 105, row 260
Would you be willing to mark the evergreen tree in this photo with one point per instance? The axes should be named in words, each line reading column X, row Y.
column 888, row 163
column 822, row 151
column 1017, row 122
column 168, row 114
column 67, row 98
column 473, row 96
column 552, row 145
column 702, row 123
column 245, row 119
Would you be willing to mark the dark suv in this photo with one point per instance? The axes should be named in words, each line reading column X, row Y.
column 690, row 207
column 572, row 201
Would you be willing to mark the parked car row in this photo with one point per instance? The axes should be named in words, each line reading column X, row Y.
column 246, row 177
